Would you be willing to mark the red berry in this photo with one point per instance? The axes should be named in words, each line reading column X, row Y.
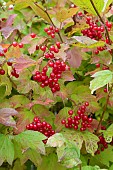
column 9, row 63
column 43, row 48
column 33, row 35
column 56, row 30
column 52, row 48
column 2, row 72
column 49, row 32
column 14, row 44
column 58, row 44
column 70, row 112
column 90, row 120
column 97, row 65
column 51, row 27
column 105, row 90
column 63, row 122
column 86, row 104
column 20, row 45
column 46, row 29
column 52, row 35
column 5, row 50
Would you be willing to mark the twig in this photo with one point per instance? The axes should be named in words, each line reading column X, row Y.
column 72, row 101
column 50, row 20
column 105, row 107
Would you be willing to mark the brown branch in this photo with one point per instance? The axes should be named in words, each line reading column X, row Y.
column 72, row 101
column 104, row 110
column 50, row 20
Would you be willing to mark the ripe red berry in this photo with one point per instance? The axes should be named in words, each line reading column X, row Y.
column 43, row 48
column 5, row 50
column 105, row 90
column 63, row 122
column 97, row 65
column 46, row 29
column 86, row 104
column 70, row 112
column 56, row 30
column 9, row 63
column 33, row 35
column 20, row 45
column 58, row 44
column 2, row 72
column 14, row 44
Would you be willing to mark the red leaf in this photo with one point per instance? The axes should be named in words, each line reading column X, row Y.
column 94, row 126
column 46, row 102
column 74, row 57
column 22, row 63
column 10, row 20
column 6, row 116
column 68, row 76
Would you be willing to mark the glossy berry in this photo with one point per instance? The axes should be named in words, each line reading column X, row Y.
column 2, row 72
column 33, row 35
column 14, row 44
column 43, row 48
column 20, row 45
column 70, row 112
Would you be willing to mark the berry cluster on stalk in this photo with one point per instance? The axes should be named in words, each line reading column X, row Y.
column 80, row 121
column 102, row 145
column 52, row 80
column 96, row 31
column 42, row 127
column 51, row 31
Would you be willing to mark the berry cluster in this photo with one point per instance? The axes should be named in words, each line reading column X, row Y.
column 13, row 72
column 96, row 30
column 51, row 31
column 80, row 121
column 52, row 80
column 42, row 127
column 14, row 44
column 51, row 50
column 102, row 145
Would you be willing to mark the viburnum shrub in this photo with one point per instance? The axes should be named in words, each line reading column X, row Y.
column 56, row 85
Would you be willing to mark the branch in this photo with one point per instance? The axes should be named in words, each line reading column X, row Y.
column 105, row 107
column 50, row 20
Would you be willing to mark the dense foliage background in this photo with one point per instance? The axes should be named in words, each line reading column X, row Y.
column 56, row 85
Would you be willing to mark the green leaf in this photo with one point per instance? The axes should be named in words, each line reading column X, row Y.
column 40, row 11
column 4, row 81
column 69, row 155
column 90, row 142
column 50, row 162
column 90, row 168
column 108, row 134
column 32, row 155
column 101, row 78
column 18, row 166
column 57, row 140
column 31, row 139
column 87, row 42
column 106, row 156
column 6, row 149
column 87, row 6
column 2, row 91
column 80, row 137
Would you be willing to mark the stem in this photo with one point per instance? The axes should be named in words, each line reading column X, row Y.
column 107, row 33
column 105, row 107
column 50, row 20
column 72, row 101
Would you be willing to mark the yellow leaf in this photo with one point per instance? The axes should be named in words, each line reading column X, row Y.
column 64, row 13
